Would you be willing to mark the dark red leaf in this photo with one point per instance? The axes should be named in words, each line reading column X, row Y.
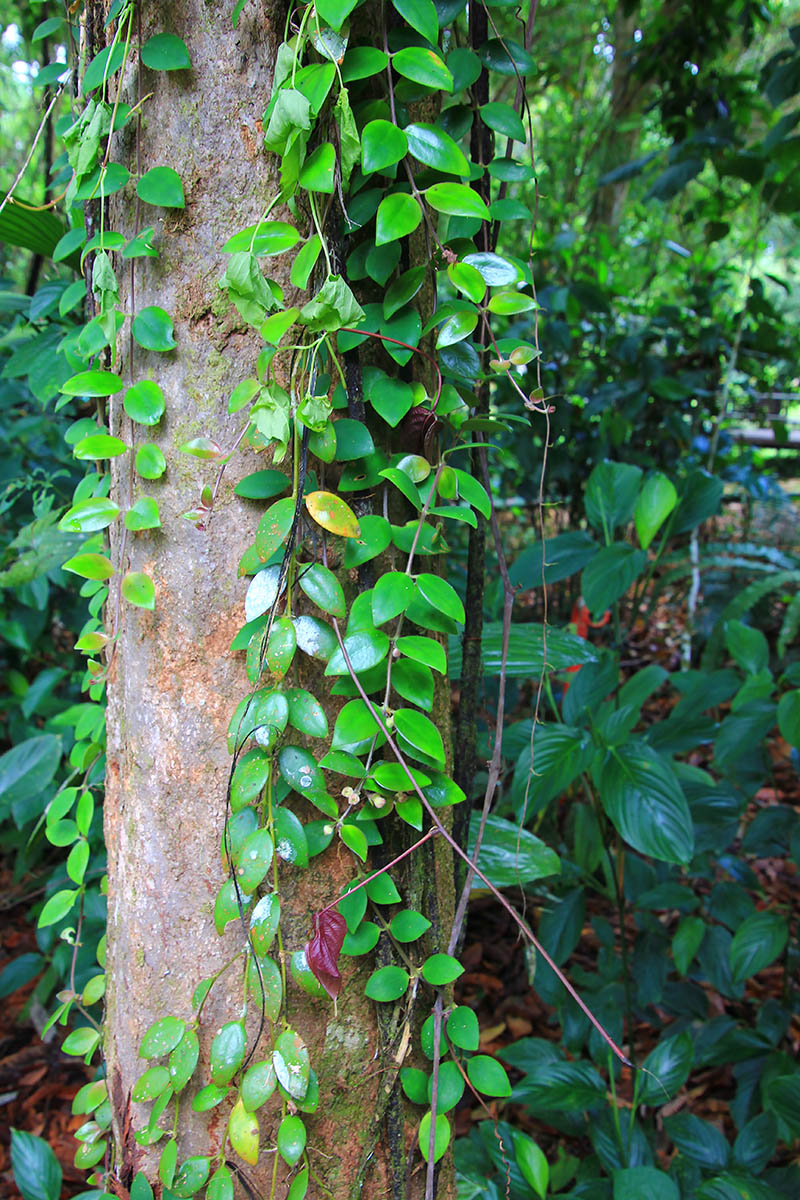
column 322, row 952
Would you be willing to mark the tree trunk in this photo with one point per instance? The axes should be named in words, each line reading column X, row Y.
column 174, row 684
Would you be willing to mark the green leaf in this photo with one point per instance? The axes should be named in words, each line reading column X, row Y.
column 306, row 713
column 143, row 515
column 782, row 1097
column 643, row 799
column 152, row 329
column 165, row 52
column 262, row 485
column 273, row 528
column 610, row 574
column 456, row 329
column 37, row 1171
column 457, row 200
column 435, row 148
column 254, row 860
column 98, row 446
column 420, row 733
column 291, row 1139
column 463, row 1029
column 398, row 215
column 424, row 67
column 441, row 1136
column 150, row 461
column 611, row 493
column 408, row 925
column 28, row 767
column 382, row 145
column 317, row 172
column 355, row 840
column 144, row 402
column 494, row 270
column 291, row 1062
column 290, row 840
column 468, row 280
column 138, row 589
column 656, row 501
column 365, row 649
column 322, row 587
column 264, row 239
column 748, row 646
column 759, row 940
column 333, row 307
column 404, row 289
column 632, row 1183
column 441, row 595
column 503, row 119
column 686, row 941
column 510, row 856
column 161, row 186
column 304, row 262
column 506, row 56
column 161, row 1037
column 788, row 716
column 258, row 1084
column 387, row 984
column 391, row 398
column 424, row 650
column 670, row 1062
column 488, row 1075
column 102, row 67
column 335, row 12
column 391, row 596
column 191, row 1175
column 376, row 535
column 92, row 383
column 227, row 1052
column 441, row 969
column 151, row 1083
column 183, row 1059
column 420, row 15
column 57, row 907
column 532, row 1163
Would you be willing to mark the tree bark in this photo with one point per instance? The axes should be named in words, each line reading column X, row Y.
column 173, row 683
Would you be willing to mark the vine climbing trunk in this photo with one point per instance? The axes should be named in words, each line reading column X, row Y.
column 174, row 683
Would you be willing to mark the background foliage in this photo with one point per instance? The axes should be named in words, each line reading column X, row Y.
column 666, row 187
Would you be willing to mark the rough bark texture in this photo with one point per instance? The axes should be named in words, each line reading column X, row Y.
column 174, row 684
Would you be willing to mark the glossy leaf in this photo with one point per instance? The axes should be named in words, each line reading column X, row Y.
column 387, row 984
column 398, row 215
column 165, row 52
column 291, row 1062
column 321, row 585
column 441, row 1136
column 435, row 148
column 425, row 67
column 150, row 461
column 227, row 1052
column 656, row 501
column 333, row 514
column 645, row 803
column 162, row 186
column 144, row 402
column 457, row 200
column 138, row 589
column 391, row 596
column 291, row 1139
column 161, row 1037
column 244, row 1133
column 758, row 941
column 382, row 145
column 420, row 15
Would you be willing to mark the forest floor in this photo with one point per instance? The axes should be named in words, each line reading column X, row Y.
column 38, row 1082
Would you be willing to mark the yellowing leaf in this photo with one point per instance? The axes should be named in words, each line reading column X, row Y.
column 243, row 1132
column 333, row 514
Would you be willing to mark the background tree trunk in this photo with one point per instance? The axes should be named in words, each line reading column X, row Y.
column 174, row 684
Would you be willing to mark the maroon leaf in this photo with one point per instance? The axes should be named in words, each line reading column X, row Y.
column 322, row 952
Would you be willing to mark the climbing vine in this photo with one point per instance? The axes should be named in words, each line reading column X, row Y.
column 370, row 396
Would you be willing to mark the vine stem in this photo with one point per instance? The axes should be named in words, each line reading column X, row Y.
column 509, row 908
column 43, row 124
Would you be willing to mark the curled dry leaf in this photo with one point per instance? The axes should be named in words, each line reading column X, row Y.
column 322, row 952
